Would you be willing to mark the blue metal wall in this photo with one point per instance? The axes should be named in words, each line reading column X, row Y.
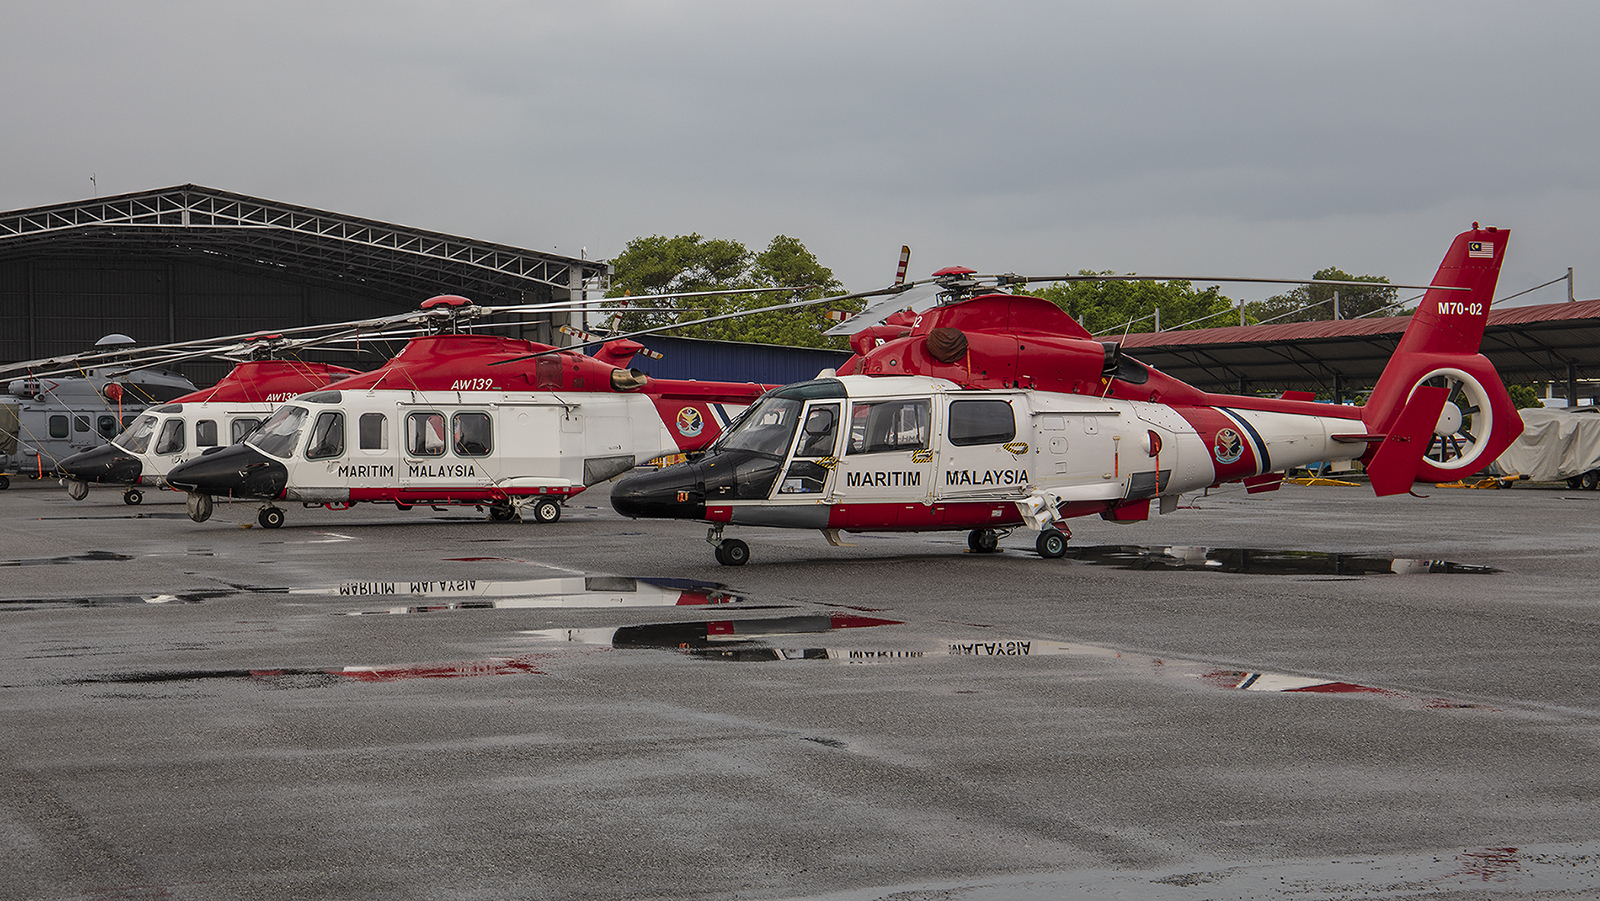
column 730, row 361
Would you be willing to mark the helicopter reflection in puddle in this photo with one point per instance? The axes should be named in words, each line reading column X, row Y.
column 564, row 591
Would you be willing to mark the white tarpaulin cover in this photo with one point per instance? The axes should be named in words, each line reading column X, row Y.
column 1555, row 444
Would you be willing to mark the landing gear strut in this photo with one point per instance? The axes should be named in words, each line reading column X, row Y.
column 729, row 551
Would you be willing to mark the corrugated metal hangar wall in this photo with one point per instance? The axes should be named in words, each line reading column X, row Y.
column 63, row 305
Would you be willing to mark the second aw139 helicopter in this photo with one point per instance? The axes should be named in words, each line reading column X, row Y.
column 442, row 424
column 1000, row 411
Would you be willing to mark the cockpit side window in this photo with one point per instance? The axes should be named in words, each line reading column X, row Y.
column 818, row 434
column 425, row 434
column 170, row 440
column 327, row 436
column 889, row 425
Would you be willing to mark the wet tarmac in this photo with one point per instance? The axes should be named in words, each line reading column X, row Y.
column 1311, row 694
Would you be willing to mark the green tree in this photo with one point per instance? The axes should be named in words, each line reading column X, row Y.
column 662, row 265
column 1106, row 307
column 1309, row 303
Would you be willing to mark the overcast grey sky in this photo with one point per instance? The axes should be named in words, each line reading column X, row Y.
column 1267, row 138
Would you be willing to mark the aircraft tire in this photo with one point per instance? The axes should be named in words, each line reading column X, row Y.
column 5, row 482
column 270, row 517
column 1591, row 480
column 500, row 512
column 77, row 490
column 199, row 507
column 546, row 510
column 733, row 552
column 983, row 541
column 1051, row 544
column 1574, row 483
column 133, row 497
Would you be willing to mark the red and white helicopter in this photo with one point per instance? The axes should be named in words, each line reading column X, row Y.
column 465, row 419
column 999, row 411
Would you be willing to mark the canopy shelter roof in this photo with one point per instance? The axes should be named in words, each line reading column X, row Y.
column 1549, row 342
column 307, row 245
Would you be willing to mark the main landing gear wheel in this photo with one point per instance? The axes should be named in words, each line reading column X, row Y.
column 1051, row 544
column 270, row 517
column 199, row 506
column 546, row 510
column 77, row 490
column 501, row 513
column 133, row 497
column 5, row 482
column 983, row 541
column 733, row 552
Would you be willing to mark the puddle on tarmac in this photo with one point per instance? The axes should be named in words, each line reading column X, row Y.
column 86, row 557
column 563, row 591
column 1274, row 562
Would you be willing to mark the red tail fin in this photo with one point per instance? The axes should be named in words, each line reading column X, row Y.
column 1440, row 348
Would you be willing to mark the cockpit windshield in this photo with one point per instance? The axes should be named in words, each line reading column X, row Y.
column 280, row 435
column 136, row 438
column 767, row 429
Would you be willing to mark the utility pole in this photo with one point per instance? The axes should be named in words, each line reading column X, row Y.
column 1570, row 297
column 1336, row 314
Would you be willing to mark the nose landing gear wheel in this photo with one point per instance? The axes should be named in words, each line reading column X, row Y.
column 983, row 541
column 500, row 513
column 546, row 510
column 199, row 507
column 133, row 497
column 1051, row 544
column 270, row 517
column 733, row 552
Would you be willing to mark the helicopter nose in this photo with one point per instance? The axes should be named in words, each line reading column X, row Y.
column 676, row 492
column 106, row 463
column 235, row 471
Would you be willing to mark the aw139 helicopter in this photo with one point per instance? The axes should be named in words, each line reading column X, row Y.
column 163, row 437
column 997, row 411
column 464, row 419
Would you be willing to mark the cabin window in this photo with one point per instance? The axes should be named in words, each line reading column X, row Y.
column 374, row 429
column 205, row 433
column 58, row 427
column 80, row 423
column 889, row 425
column 981, row 422
column 470, row 433
column 280, row 435
column 107, row 426
column 425, row 434
column 170, row 441
column 241, row 429
column 327, row 436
